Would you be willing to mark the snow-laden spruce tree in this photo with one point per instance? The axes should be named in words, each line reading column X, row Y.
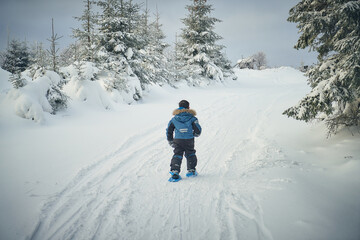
column 142, row 62
column 332, row 28
column 16, row 57
column 81, row 54
column 162, row 52
column 178, row 64
column 154, row 61
column 199, row 51
column 16, row 60
column 86, row 34
column 148, row 61
column 56, row 98
column 117, row 44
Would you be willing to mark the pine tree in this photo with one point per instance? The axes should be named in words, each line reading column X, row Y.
column 118, row 45
column 16, row 57
column 112, row 35
column 142, row 61
column 56, row 98
column 144, row 26
column 178, row 62
column 2, row 58
column 332, row 28
column 162, row 62
column 86, row 34
column 140, row 29
column 199, row 50
column 39, row 60
column 158, row 35
column 72, row 53
column 17, row 80
column 53, row 51
column 117, row 27
column 16, row 60
column 154, row 63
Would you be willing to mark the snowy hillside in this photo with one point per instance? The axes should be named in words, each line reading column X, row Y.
column 92, row 173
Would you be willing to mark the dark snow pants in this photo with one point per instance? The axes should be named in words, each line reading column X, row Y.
column 182, row 146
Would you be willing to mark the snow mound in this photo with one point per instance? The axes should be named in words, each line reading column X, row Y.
column 83, row 88
column 91, row 93
column 90, row 85
column 80, row 71
column 31, row 101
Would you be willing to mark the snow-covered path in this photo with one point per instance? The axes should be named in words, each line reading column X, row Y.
column 125, row 195
column 254, row 168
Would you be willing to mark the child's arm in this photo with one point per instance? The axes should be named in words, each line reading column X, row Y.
column 196, row 128
column 170, row 132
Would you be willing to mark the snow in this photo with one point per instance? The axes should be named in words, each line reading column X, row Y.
column 30, row 101
column 119, row 48
column 129, row 53
column 92, row 173
column 5, row 85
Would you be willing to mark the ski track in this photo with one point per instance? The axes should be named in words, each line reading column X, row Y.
column 125, row 193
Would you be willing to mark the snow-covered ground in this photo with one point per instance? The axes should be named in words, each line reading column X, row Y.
column 91, row 173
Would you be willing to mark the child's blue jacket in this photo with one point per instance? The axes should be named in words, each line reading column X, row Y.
column 185, row 125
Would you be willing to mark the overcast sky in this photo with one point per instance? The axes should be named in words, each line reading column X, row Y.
column 247, row 27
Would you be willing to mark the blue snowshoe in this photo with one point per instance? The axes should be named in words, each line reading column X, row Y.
column 175, row 177
column 191, row 173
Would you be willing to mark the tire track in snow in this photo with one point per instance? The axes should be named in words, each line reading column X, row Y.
column 88, row 192
column 253, row 153
column 219, row 129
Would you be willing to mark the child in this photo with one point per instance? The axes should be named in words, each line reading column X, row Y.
column 186, row 127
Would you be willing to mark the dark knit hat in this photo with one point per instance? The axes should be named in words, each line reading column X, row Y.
column 184, row 104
